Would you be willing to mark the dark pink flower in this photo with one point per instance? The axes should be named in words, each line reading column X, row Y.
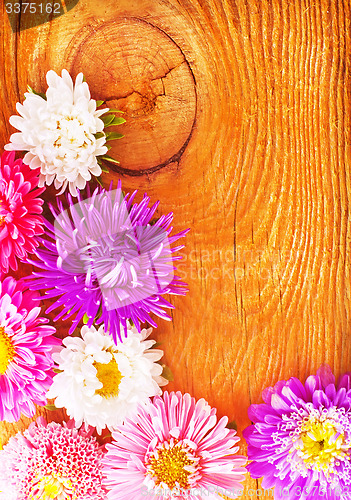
column 20, row 211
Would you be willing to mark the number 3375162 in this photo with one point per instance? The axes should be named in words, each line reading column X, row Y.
column 33, row 8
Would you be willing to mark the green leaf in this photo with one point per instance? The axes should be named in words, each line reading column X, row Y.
column 104, row 169
column 98, row 180
column 85, row 319
column 50, row 407
column 99, row 103
column 107, row 119
column 167, row 373
column 109, row 158
column 57, row 370
column 117, row 120
column 111, row 136
column 155, row 346
column 32, row 91
column 99, row 135
column 232, row 425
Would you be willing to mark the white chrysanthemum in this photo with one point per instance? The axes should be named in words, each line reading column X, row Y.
column 59, row 133
column 102, row 383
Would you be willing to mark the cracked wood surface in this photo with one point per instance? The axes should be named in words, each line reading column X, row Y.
column 238, row 120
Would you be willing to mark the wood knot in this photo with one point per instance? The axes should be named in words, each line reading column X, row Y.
column 139, row 103
column 137, row 68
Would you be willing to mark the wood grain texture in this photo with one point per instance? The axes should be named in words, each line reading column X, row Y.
column 238, row 120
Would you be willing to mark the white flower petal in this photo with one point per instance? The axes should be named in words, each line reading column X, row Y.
column 140, row 376
column 60, row 133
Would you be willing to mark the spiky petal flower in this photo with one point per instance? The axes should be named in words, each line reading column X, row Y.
column 59, row 132
column 100, row 383
column 300, row 440
column 105, row 259
column 26, row 344
column 173, row 446
column 51, row 461
column 20, row 211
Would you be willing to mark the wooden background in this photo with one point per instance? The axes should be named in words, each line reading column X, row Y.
column 238, row 120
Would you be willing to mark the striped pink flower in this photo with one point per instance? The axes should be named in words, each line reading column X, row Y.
column 26, row 343
column 51, row 461
column 174, row 446
column 20, row 211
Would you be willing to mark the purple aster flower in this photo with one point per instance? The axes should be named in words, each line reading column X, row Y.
column 26, row 344
column 106, row 259
column 300, row 440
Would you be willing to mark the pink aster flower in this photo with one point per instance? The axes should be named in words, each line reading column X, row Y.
column 20, row 211
column 51, row 461
column 26, row 342
column 174, row 446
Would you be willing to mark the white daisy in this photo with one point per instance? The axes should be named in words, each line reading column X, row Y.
column 59, row 133
column 102, row 383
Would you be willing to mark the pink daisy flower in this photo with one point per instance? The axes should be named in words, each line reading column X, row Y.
column 51, row 461
column 174, row 446
column 26, row 342
column 20, row 211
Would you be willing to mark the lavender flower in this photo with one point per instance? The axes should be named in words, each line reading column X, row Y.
column 104, row 258
column 300, row 442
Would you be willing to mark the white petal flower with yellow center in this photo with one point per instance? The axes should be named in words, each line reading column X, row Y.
column 62, row 133
column 101, row 383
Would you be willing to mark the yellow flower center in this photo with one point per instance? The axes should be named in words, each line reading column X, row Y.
column 7, row 350
column 169, row 466
column 2, row 219
column 321, row 445
column 50, row 487
column 110, row 377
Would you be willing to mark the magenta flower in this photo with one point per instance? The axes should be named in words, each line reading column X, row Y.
column 300, row 440
column 20, row 209
column 104, row 258
column 51, row 461
column 173, row 446
column 26, row 342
